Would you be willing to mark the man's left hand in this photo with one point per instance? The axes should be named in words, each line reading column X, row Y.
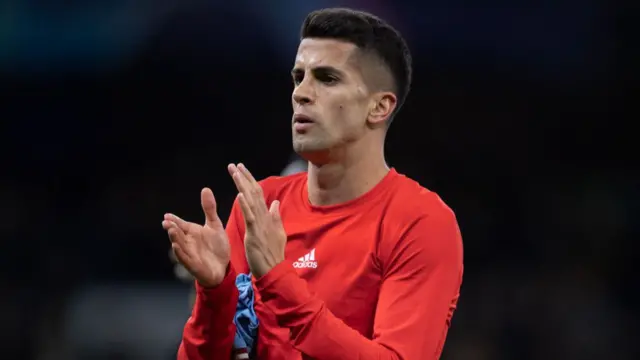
column 265, row 238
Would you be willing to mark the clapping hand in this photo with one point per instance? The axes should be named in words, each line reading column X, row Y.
column 265, row 237
column 202, row 249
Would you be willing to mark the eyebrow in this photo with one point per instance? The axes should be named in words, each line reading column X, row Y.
column 319, row 69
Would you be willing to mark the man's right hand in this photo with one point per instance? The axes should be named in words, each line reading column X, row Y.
column 202, row 249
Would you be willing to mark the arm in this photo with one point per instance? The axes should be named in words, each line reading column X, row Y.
column 422, row 276
column 209, row 332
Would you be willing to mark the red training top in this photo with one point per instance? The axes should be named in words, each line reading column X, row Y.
column 377, row 277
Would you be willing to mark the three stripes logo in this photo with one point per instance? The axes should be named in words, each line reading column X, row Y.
column 307, row 262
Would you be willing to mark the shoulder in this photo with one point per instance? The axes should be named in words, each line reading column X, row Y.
column 417, row 218
column 412, row 202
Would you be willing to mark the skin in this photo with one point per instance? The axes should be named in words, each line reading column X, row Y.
column 343, row 91
column 337, row 87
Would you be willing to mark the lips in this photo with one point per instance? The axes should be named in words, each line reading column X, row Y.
column 302, row 122
column 302, row 119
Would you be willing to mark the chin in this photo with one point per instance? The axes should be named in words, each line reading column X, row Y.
column 307, row 146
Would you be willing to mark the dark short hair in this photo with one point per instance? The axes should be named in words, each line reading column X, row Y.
column 370, row 34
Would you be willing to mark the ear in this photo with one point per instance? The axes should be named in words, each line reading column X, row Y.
column 382, row 106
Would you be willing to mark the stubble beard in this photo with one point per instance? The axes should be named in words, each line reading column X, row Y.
column 310, row 147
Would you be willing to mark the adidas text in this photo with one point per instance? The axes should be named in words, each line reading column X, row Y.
column 307, row 262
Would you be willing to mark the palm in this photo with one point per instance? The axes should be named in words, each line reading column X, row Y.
column 202, row 249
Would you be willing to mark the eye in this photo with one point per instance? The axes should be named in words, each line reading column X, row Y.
column 297, row 79
column 328, row 79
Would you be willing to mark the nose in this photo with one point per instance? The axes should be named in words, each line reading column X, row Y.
column 303, row 93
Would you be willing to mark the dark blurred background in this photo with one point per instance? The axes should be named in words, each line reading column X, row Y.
column 115, row 112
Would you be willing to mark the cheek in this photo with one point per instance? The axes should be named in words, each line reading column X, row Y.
column 342, row 114
column 344, row 111
column 346, row 118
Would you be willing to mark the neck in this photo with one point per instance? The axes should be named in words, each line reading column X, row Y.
column 353, row 173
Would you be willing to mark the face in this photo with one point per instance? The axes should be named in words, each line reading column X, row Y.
column 331, row 102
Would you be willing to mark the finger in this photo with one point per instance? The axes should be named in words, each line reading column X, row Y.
column 176, row 235
column 172, row 256
column 232, row 168
column 243, row 169
column 182, row 256
column 242, row 184
column 254, row 188
column 183, row 225
column 247, row 212
column 168, row 224
column 274, row 210
column 209, row 207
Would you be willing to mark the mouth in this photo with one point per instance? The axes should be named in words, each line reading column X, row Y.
column 302, row 119
column 302, row 122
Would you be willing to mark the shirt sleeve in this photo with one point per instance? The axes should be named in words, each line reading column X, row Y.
column 421, row 280
column 209, row 331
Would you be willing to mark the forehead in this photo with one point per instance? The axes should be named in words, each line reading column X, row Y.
column 324, row 52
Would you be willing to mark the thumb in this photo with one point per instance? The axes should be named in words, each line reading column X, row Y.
column 209, row 207
column 274, row 210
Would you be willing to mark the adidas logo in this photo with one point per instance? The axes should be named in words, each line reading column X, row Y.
column 307, row 262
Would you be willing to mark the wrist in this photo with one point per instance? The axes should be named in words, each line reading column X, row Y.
column 214, row 282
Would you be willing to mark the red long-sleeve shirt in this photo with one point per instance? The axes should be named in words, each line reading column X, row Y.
column 377, row 277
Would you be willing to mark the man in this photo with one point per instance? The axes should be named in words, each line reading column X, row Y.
column 350, row 260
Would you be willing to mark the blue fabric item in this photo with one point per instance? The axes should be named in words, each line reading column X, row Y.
column 245, row 318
